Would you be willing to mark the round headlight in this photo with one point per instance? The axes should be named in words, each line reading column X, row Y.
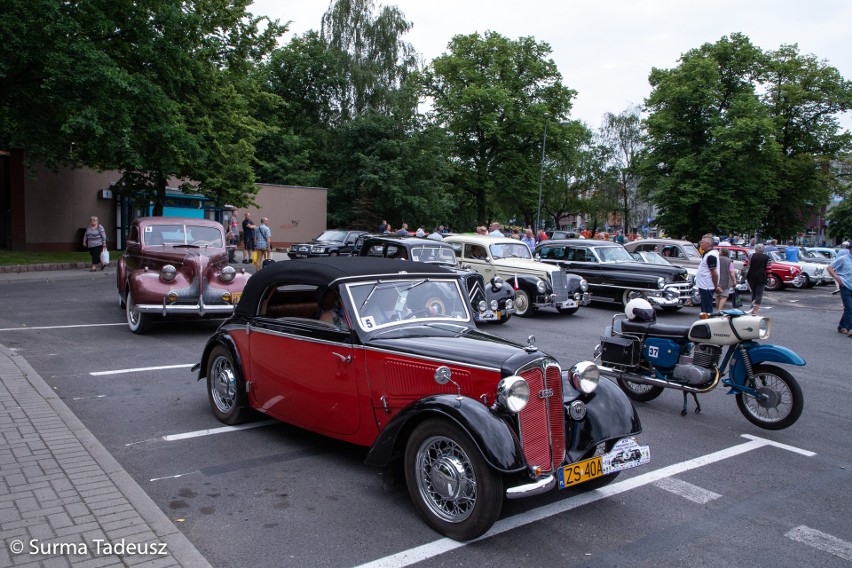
column 497, row 282
column 482, row 305
column 541, row 287
column 661, row 282
column 168, row 273
column 510, row 304
column 228, row 274
column 584, row 376
column 494, row 305
column 763, row 328
column 513, row 393
column 584, row 286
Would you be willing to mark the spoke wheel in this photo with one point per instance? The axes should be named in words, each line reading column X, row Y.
column 449, row 482
column 779, row 402
column 137, row 321
column 225, row 388
column 639, row 391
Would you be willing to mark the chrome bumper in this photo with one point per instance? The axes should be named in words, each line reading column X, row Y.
column 200, row 309
column 537, row 487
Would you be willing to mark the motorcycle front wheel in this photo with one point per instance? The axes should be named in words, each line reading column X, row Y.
column 639, row 391
column 780, row 403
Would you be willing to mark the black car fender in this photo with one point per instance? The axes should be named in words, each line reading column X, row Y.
column 492, row 435
column 609, row 416
column 529, row 284
column 224, row 339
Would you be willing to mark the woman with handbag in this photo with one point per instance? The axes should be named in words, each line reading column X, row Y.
column 95, row 240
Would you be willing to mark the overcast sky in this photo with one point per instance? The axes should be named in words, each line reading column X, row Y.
column 605, row 49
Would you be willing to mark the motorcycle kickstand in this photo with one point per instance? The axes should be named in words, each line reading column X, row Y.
column 697, row 404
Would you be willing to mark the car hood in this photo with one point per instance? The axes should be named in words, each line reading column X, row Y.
column 467, row 347
column 523, row 264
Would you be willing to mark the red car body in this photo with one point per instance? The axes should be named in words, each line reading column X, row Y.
column 777, row 275
column 173, row 266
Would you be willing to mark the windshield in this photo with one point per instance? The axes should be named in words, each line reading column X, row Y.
column 434, row 255
column 384, row 304
column 510, row 250
column 655, row 258
column 332, row 236
column 613, row 254
column 175, row 234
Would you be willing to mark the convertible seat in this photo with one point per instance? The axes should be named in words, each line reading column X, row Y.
column 655, row 329
column 294, row 310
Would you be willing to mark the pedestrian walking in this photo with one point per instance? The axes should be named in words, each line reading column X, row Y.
column 756, row 276
column 234, row 239
column 841, row 271
column 528, row 239
column 263, row 242
column 95, row 240
column 707, row 277
column 727, row 278
column 248, row 238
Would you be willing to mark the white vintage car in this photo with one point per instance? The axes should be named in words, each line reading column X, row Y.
column 536, row 284
column 812, row 272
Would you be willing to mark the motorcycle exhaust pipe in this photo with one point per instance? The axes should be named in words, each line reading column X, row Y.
column 653, row 381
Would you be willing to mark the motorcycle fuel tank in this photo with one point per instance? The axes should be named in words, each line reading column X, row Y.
column 729, row 330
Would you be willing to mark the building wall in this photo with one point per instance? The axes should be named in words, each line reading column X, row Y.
column 296, row 214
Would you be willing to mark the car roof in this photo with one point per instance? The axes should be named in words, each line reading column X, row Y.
column 579, row 242
column 178, row 221
column 325, row 270
column 480, row 239
column 409, row 241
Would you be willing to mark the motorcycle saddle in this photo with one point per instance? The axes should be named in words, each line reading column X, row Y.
column 655, row 329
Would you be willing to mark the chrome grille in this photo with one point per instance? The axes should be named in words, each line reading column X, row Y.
column 684, row 289
column 559, row 281
column 542, row 422
column 474, row 283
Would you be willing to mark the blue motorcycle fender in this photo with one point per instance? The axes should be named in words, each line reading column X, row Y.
column 609, row 416
column 496, row 441
column 762, row 354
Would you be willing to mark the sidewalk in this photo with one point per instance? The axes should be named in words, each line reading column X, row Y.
column 64, row 500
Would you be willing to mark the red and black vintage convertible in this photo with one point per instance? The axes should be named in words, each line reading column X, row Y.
column 385, row 354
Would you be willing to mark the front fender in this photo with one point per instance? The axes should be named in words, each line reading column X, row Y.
column 496, row 441
column 762, row 354
column 529, row 284
column 609, row 416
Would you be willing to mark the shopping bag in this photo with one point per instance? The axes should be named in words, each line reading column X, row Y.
column 104, row 256
column 254, row 257
column 736, row 301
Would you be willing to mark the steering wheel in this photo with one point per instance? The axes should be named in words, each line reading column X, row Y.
column 435, row 307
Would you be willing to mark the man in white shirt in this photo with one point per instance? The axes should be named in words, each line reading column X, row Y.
column 707, row 277
column 495, row 230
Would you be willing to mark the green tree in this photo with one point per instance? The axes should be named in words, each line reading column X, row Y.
column 491, row 95
column 155, row 89
column 622, row 136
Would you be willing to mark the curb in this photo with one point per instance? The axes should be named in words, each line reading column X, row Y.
column 17, row 268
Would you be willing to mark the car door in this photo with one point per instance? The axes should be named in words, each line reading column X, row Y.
column 581, row 260
column 303, row 373
column 482, row 262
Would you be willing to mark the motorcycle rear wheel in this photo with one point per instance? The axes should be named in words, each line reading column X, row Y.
column 639, row 391
column 783, row 404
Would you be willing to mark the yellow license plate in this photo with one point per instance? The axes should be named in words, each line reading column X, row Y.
column 235, row 297
column 579, row 472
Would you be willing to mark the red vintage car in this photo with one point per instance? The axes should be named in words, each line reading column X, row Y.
column 385, row 354
column 175, row 267
column 777, row 275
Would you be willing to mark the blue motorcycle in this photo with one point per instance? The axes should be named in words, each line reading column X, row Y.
column 644, row 357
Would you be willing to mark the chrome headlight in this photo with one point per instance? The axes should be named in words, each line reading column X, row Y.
column 763, row 328
column 510, row 304
column 661, row 282
column 228, row 274
column 482, row 306
column 168, row 273
column 584, row 377
column 541, row 287
column 584, row 286
column 513, row 393
column 496, row 283
column 494, row 305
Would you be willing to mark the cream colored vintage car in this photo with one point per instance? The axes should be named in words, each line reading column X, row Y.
column 536, row 284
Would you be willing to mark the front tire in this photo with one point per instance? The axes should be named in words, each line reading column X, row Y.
column 639, row 391
column 138, row 322
column 225, row 388
column 773, row 283
column 523, row 308
column 449, row 482
column 782, row 403
column 805, row 282
column 630, row 295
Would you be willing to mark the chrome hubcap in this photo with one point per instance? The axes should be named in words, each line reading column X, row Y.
column 446, row 479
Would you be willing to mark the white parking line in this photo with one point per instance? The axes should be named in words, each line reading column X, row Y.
column 26, row 328
column 686, row 490
column 207, row 432
column 435, row 548
column 140, row 370
column 821, row 541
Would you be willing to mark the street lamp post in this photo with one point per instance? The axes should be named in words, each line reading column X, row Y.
column 541, row 174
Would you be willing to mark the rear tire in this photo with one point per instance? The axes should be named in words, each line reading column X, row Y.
column 783, row 404
column 638, row 391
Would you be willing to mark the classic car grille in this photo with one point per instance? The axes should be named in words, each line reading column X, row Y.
column 560, row 285
column 474, row 288
column 684, row 289
column 542, row 422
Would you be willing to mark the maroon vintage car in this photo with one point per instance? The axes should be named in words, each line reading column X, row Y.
column 176, row 267
column 385, row 354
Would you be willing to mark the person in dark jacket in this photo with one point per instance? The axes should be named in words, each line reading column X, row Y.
column 756, row 276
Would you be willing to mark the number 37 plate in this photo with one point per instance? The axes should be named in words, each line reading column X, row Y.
column 626, row 454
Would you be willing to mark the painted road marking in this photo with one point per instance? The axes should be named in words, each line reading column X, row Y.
column 207, row 432
column 140, row 370
column 441, row 546
column 686, row 490
column 62, row 326
column 821, row 541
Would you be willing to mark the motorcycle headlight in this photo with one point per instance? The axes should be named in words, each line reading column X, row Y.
column 763, row 328
column 482, row 306
column 584, row 377
column 661, row 283
column 494, row 305
column 228, row 274
column 541, row 287
column 168, row 273
column 584, row 286
column 513, row 393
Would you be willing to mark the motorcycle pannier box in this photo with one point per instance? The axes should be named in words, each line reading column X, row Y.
column 620, row 351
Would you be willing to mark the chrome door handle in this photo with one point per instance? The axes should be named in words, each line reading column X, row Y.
column 344, row 358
